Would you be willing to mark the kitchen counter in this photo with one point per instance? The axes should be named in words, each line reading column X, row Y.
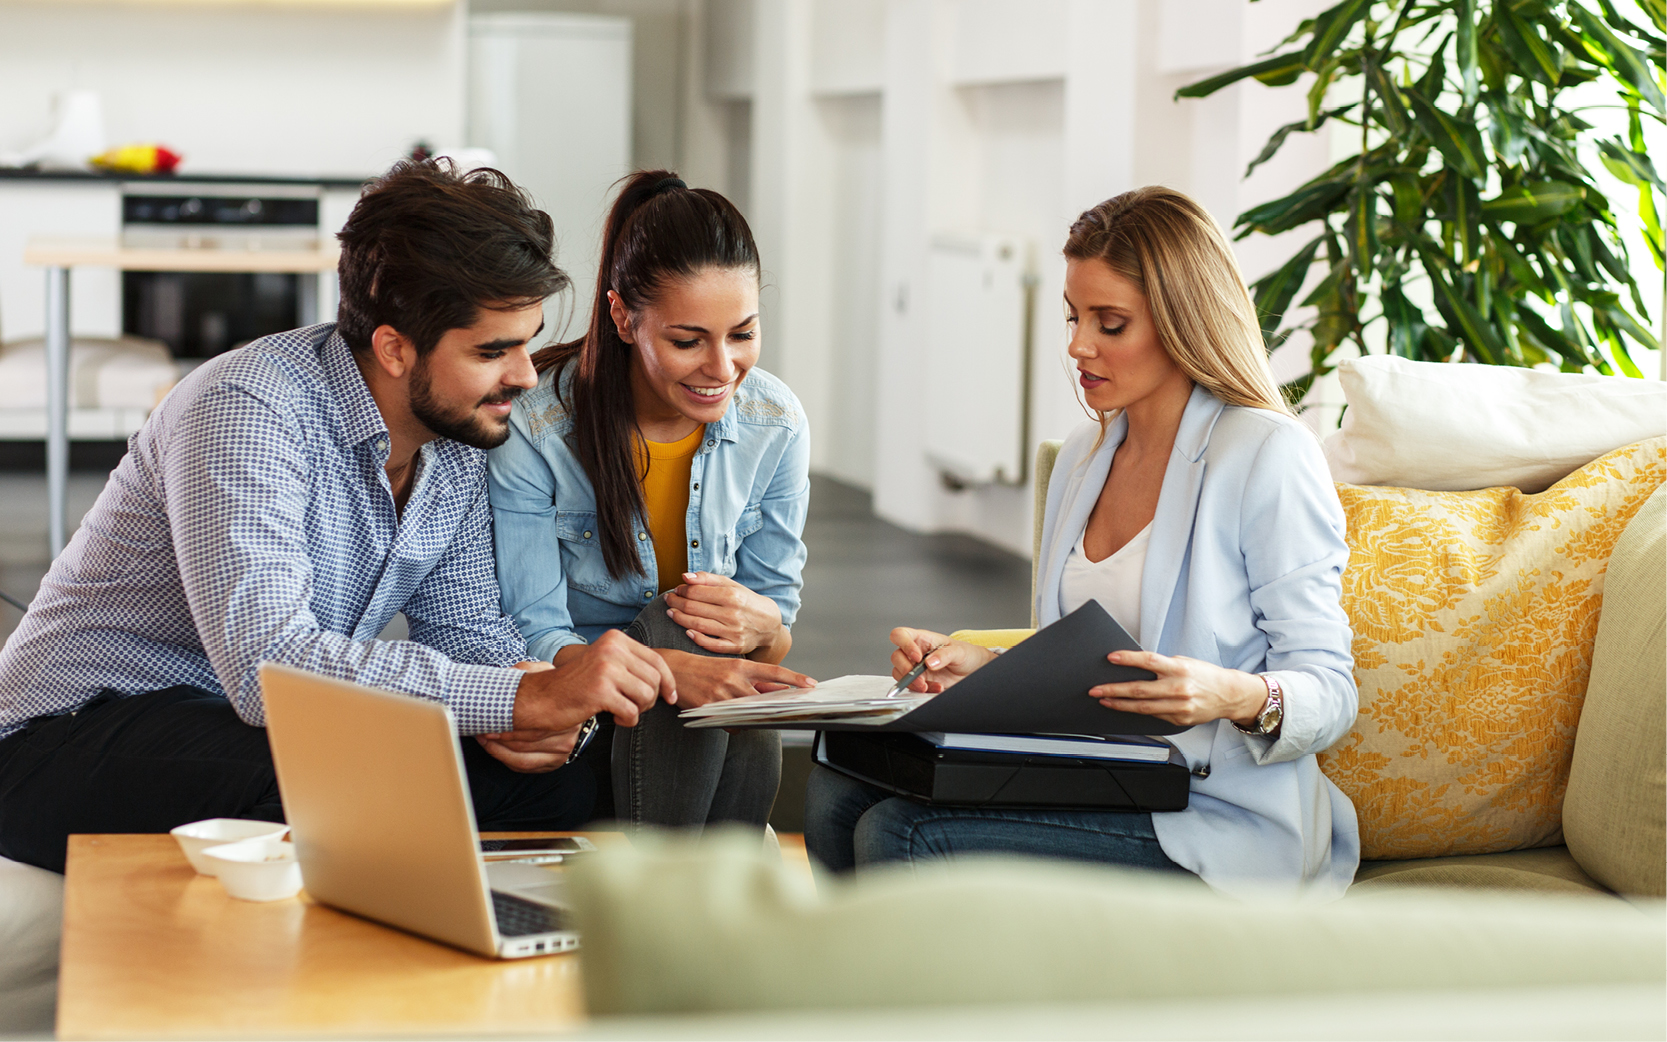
column 99, row 176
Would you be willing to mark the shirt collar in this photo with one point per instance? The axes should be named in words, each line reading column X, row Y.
column 727, row 428
column 361, row 419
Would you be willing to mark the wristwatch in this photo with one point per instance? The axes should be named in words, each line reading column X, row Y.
column 587, row 731
column 1273, row 711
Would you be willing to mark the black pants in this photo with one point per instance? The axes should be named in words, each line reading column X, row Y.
column 149, row 762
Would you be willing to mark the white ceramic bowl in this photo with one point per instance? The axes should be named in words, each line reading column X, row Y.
column 198, row 836
column 257, row 869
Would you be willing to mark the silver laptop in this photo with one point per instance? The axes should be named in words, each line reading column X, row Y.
column 378, row 802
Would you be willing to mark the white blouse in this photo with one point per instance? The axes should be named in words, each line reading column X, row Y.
column 1114, row 582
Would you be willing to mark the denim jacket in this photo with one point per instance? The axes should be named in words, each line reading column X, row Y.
column 749, row 489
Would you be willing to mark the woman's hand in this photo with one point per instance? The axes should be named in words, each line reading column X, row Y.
column 1187, row 691
column 723, row 616
column 948, row 661
column 702, row 678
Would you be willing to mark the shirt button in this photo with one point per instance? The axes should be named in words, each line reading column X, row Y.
column 648, row 595
column 697, row 486
column 695, row 543
column 382, row 443
column 641, row 536
column 710, row 443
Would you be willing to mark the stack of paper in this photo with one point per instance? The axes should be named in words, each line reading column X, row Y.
column 843, row 700
column 1082, row 746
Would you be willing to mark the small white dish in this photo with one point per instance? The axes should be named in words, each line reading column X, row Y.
column 257, row 869
column 198, row 836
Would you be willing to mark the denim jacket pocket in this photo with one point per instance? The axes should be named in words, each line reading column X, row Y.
column 751, row 520
column 581, row 551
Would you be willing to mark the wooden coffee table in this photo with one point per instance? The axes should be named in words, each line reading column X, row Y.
column 152, row 950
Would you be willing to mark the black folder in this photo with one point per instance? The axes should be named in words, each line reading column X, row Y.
column 1038, row 687
column 908, row 765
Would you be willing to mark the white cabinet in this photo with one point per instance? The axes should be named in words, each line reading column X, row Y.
column 550, row 94
column 77, row 209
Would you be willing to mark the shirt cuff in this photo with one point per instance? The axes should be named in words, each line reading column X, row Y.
column 482, row 698
column 545, row 647
column 1299, row 720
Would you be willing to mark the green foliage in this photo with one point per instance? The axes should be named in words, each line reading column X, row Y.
column 1469, row 179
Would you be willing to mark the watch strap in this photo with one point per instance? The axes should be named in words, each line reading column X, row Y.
column 1272, row 713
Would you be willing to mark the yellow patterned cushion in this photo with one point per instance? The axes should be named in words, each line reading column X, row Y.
column 1474, row 615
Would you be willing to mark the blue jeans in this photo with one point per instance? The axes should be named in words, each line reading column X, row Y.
column 849, row 824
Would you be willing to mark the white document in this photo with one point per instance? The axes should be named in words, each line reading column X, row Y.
column 847, row 699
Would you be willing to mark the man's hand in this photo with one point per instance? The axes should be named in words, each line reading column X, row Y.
column 723, row 616
column 948, row 661
column 702, row 678
column 613, row 675
column 530, row 752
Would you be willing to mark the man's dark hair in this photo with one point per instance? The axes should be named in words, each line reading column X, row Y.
column 427, row 247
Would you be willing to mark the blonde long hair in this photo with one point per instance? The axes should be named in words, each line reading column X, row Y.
column 1175, row 253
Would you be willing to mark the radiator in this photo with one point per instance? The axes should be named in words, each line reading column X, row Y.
column 977, row 394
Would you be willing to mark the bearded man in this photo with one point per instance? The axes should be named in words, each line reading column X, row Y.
column 282, row 504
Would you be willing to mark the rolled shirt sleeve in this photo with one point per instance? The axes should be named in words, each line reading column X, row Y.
column 1296, row 590
column 771, row 561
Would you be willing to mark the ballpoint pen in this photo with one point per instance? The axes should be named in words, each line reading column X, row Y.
column 912, row 675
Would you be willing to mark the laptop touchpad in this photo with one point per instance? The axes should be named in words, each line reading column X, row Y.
column 552, row 894
column 532, row 882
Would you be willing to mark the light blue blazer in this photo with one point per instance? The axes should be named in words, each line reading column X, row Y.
column 1244, row 569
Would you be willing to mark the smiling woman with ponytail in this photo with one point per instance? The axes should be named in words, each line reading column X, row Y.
column 656, row 481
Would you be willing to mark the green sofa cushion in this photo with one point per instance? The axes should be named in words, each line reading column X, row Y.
column 672, row 926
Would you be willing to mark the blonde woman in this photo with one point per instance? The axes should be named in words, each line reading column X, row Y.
column 1200, row 515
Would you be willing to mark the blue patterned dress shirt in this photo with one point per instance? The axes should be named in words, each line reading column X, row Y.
column 252, row 520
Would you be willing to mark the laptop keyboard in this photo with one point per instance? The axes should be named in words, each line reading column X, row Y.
column 518, row 917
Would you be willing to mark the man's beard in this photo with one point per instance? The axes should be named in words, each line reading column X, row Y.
column 462, row 424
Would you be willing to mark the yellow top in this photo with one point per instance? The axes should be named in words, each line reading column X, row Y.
column 665, row 493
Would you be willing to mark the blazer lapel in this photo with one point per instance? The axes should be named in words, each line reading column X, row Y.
column 1183, row 480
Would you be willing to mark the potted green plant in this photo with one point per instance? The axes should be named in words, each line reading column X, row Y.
column 1468, row 223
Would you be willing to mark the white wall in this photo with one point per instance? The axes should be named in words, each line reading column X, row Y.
column 871, row 125
column 271, row 89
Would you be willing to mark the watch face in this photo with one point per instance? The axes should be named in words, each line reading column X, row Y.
column 1269, row 720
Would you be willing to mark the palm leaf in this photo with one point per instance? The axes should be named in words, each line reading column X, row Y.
column 1534, row 202
column 1625, row 60
column 1273, row 293
column 1272, row 71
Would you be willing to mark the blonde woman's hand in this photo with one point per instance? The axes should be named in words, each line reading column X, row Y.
column 723, row 616
column 947, row 661
column 1187, row 691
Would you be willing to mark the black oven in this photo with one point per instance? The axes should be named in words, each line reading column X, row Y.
column 201, row 314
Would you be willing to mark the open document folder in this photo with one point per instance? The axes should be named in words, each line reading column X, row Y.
column 1040, row 686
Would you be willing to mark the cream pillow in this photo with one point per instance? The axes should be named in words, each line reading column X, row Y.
column 1474, row 615
column 1614, row 811
column 1456, row 427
